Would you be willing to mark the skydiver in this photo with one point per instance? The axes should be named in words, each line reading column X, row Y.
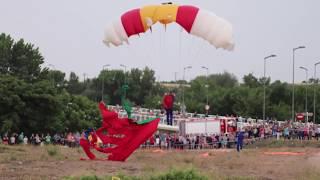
column 167, row 103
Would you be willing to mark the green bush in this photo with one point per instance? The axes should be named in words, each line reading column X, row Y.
column 180, row 175
column 89, row 178
column 82, row 178
column 172, row 175
column 124, row 177
column 52, row 150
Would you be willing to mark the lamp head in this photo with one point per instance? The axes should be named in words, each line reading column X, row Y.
column 300, row 47
column 301, row 67
column 271, row 56
column 203, row 67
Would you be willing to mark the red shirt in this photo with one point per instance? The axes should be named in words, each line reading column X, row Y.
column 168, row 101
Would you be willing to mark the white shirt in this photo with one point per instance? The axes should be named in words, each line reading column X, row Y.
column 12, row 140
column 25, row 140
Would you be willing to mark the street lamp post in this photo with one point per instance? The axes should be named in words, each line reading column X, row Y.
column 314, row 91
column 102, row 86
column 306, row 106
column 84, row 77
column 293, row 67
column 207, row 105
column 264, row 85
column 175, row 77
column 207, row 86
column 184, row 74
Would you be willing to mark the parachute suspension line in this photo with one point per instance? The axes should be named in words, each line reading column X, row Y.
column 198, row 51
column 153, row 49
column 179, row 50
column 153, row 46
column 181, row 64
column 126, row 68
column 160, row 43
column 163, row 49
column 158, row 50
column 180, row 46
column 150, row 52
column 191, row 48
column 152, row 39
column 164, row 43
column 150, row 57
column 132, row 52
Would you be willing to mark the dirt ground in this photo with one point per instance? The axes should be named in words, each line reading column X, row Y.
column 57, row 162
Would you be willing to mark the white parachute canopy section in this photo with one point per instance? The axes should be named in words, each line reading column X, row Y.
column 115, row 34
column 213, row 29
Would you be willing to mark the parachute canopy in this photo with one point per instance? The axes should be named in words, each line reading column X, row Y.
column 195, row 21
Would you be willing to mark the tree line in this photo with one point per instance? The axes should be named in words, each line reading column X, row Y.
column 39, row 99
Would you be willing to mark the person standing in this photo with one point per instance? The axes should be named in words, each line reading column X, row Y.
column 48, row 139
column 20, row 138
column 5, row 139
column 37, row 139
column 167, row 103
column 240, row 137
column 25, row 140
column 12, row 139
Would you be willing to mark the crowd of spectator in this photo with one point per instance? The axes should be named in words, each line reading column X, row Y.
column 192, row 141
column 65, row 139
column 284, row 130
column 252, row 133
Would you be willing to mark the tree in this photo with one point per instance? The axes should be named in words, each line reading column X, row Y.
column 6, row 43
column 27, row 106
column 10, row 102
column 79, row 113
column 140, row 84
column 112, row 80
column 57, row 77
column 225, row 79
column 34, row 99
column 20, row 59
column 73, row 85
column 251, row 81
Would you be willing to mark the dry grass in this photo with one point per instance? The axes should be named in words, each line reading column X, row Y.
column 57, row 162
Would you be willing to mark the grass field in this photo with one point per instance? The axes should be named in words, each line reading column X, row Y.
column 56, row 162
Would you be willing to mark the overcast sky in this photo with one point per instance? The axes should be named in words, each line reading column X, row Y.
column 70, row 33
